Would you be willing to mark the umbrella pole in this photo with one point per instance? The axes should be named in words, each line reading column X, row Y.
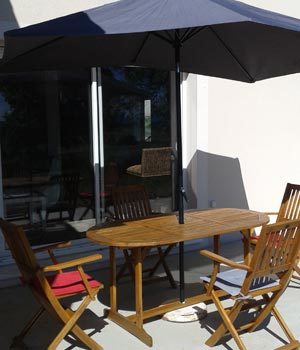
column 180, row 192
column 186, row 314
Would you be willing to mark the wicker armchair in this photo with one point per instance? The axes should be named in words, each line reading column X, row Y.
column 155, row 162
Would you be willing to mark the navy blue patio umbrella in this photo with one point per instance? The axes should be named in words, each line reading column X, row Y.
column 219, row 38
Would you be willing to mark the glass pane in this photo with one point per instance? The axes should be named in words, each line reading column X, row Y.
column 45, row 144
column 136, row 116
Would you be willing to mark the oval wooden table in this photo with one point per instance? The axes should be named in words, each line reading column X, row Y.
column 161, row 230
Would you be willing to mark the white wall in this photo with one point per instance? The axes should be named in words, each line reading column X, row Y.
column 286, row 7
column 259, row 125
column 254, row 131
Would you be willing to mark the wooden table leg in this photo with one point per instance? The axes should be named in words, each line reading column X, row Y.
column 217, row 251
column 138, row 286
column 113, row 283
column 247, row 249
column 134, row 327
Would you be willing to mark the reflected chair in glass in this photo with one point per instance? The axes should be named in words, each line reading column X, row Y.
column 50, row 284
column 132, row 203
column 253, row 286
column 289, row 210
column 111, row 179
column 66, row 186
column 154, row 162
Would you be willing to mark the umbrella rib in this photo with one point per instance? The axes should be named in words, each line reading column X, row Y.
column 169, row 35
column 185, row 34
column 250, row 78
column 162, row 38
column 141, row 47
column 37, row 47
column 192, row 33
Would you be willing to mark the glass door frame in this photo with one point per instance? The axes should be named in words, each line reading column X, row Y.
column 97, row 142
column 2, row 242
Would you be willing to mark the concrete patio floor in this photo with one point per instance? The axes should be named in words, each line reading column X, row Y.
column 17, row 304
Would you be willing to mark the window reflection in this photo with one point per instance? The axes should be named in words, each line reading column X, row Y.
column 45, row 144
column 136, row 113
column 48, row 178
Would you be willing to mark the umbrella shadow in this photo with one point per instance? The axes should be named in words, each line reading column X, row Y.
column 160, row 292
column 48, row 330
column 154, row 294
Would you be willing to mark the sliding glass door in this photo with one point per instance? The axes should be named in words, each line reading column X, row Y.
column 47, row 174
column 69, row 137
column 136, row 117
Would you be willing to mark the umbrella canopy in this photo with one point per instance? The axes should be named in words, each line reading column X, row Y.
column 220, row 38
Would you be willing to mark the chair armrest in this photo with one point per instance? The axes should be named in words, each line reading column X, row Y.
column 221, row 259
column 52, row 246
column 271, row 213
column 72, row 263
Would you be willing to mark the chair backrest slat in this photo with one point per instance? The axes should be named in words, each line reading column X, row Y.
column 131, row 202
column 277, row 247
column 20, row 249
column 276, row 252
column 290, row 205
column 67, row 186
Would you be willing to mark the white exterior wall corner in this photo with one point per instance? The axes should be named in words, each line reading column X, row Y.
column 195, row 139
column 189, row 136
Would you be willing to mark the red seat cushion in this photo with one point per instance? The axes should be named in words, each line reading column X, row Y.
column 69, row 283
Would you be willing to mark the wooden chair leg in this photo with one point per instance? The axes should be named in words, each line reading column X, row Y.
column 228, row 318
column 166, row 268
column 88, row 341
column 69, row 318
column 70, row 323
column 267, row 309
column 159, row 262
column 122, row 270
column 297, row 270
column 270, row 307
column 283, row 325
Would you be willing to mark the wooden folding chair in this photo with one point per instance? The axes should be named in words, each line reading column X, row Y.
column 50, row 284
column 132, row 203
column 289, row 210
column 276, row 253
